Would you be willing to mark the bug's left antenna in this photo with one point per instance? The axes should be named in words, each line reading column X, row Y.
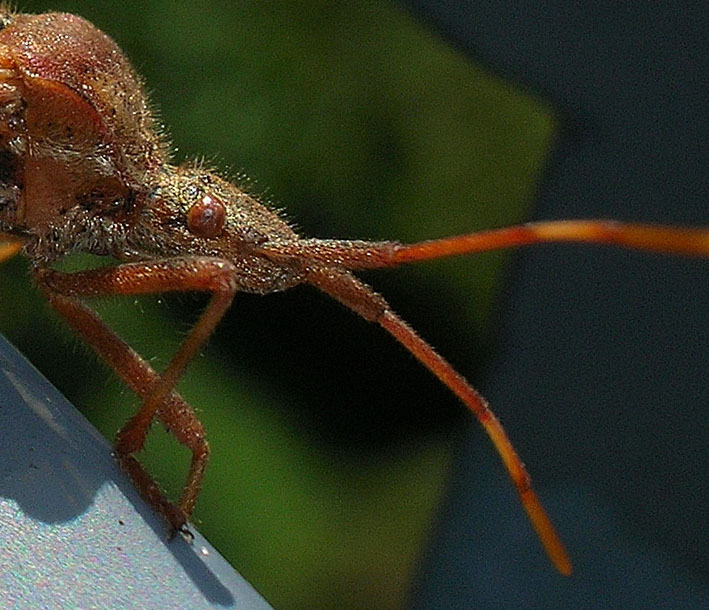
column 359, row 297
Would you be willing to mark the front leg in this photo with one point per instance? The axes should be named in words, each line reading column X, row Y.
column 157, row 391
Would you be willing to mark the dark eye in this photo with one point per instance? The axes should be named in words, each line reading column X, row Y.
column 206, row 218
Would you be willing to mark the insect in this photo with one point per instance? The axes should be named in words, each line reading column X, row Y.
column 83, row 168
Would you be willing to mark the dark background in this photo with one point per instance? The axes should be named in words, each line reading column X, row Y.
column 603, row 354
column 331, row 447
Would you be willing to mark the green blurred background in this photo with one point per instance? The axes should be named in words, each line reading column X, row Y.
column 331, row 447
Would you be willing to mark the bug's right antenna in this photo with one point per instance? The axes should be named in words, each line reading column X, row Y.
column 687, row 241
column 331, row 257
column 663, row 239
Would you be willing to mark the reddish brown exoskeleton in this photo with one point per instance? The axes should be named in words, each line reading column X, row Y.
column 84, row 169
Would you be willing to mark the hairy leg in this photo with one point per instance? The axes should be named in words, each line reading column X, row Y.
column 157, row 391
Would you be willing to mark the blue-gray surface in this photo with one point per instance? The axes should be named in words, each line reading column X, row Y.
column 601, row 368
column 74, row 532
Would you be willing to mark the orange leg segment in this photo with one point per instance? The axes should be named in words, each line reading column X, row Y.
column 157, row 391
column 8, row 249
column 353, row 255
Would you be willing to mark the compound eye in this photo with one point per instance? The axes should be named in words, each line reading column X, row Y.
column 206, row 218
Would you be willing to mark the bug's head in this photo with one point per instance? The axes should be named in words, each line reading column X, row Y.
column 192, row 210
column 197, row 202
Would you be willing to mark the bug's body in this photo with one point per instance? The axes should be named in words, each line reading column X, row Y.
column 67, row 102
column 87, row 169
column 83, row 167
